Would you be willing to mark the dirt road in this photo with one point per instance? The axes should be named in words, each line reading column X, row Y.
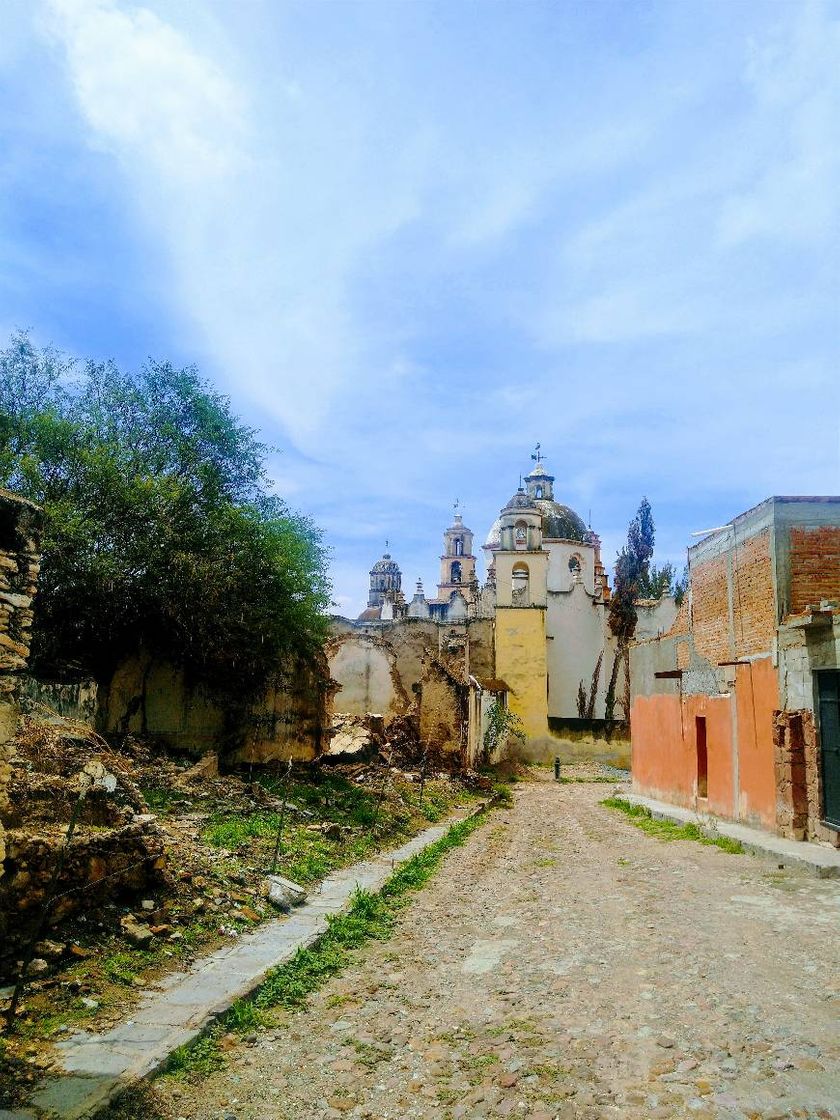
column 565, row 964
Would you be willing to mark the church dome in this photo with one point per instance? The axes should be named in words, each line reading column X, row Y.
column 386, row 564
column 559, row 522
column 520, row 500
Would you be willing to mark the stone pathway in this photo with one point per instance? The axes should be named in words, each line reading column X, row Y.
column 563, row 964
column 98, row 1066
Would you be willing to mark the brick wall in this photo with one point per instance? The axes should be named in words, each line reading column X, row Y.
column 744, row 574
column 754, row 599
column 710, row 608
column 814, row 565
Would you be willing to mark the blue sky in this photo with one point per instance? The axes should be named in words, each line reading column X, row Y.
column 412, row 239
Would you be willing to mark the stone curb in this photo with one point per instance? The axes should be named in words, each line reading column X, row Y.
column 823, row 862
column 100, row 1067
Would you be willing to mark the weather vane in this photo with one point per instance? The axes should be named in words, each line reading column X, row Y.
column 387, row 544
column 456, row 506
column 535, row 454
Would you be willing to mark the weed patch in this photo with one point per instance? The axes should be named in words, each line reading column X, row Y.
column 642, row 817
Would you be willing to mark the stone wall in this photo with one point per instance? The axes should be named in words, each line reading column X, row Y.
column 20, row 535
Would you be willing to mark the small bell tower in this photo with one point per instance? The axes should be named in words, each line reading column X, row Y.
column 457, row 564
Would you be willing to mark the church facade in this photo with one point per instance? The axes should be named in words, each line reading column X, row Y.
column 546, row 596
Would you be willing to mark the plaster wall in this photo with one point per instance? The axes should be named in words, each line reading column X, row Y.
column 365, row 673
column 443, row 720
column 757, row 700
column 664, row 750
column 151, row 697
column 407, row 643
column 575, row 627
column 521, row 663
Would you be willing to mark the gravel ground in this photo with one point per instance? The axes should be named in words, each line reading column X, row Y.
column 563, row 964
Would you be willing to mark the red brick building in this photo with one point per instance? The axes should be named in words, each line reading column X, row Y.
column 736, row 709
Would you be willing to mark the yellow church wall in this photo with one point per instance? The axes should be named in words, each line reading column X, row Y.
column 521, row 663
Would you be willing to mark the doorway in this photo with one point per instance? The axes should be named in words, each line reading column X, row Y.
column 828, row 693
column 702, row 756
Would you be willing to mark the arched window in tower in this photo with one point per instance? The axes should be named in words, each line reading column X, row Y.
column 520, row 581
column 459, row 547
column 520, row 535
column 455, row 572
column 539, row 492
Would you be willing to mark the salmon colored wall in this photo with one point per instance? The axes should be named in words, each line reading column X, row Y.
column 757, row 695
column 660, row 764
column 664, row 747
column 664, row 755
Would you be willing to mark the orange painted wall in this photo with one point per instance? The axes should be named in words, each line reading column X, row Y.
column 757, row 696
column 664, row 750
column 660, row 763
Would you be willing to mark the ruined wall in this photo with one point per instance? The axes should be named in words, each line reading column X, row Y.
column 150, row 697
column 359, row 655
column 73, row 699
column 444, row 711
column 20, row 537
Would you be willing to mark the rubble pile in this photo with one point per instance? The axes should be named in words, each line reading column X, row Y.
column 394, row 740
column 116, row 847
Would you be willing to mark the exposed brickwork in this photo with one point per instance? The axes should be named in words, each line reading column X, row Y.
column 814, row 565
column 752, row 601
column 682, row 623
column 754, row 598
column 710, row 609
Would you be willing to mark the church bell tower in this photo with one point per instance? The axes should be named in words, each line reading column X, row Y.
column 457, row 564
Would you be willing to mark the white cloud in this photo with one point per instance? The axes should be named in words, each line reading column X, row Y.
column 147, row 95
column 794, row 77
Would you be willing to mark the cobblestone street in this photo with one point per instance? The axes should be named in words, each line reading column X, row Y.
column 565, row 964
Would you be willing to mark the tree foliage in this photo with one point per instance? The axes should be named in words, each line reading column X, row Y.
column 632, row 570
column 160, row 530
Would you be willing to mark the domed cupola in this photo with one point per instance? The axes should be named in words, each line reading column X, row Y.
column 385, row 581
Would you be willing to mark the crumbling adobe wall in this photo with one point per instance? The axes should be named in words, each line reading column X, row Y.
column 799, row 794
column 147, row 696
column 360, row 653
column 20, row 537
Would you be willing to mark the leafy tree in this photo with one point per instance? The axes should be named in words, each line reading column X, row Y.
column 632, row 572
column 160, row 531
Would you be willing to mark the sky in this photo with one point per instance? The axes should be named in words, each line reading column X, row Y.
column 410, row 240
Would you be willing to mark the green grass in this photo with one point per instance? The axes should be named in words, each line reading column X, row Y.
column 642, row 817
column 370, row 917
